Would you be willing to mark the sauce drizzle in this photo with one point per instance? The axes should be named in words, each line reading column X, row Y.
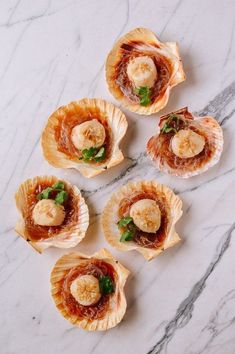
column 161, row 146
column 72, row 118
column 36, row 232
column 97, row 268
column 163, row 66
column 145, row 239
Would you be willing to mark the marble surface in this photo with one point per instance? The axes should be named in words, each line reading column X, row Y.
column 53, row 52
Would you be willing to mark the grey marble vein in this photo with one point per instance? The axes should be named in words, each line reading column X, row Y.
column 125, row 172
column 216, row 325
column 185, row 310
column 44, row 14
column 203, row 184
column 217, row 106
column 14, row 50
column 171, row 16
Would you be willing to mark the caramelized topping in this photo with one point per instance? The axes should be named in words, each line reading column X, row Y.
column 142, row 71
column 90, row 134
column 47, row 213
column 186, row 143
column 85, row 290
column 146, row 215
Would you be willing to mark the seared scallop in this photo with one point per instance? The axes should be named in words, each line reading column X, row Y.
column 89, row 290
column 141, row 71
column 85, row 289
column 53, row 213
column 141, row 216
column 146, row 215
column 85, row 135
column 186, row 145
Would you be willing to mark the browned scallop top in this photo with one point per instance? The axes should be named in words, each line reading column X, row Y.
column 161, row 144
column 163, row 65
column 36, row 232
column 97, row 268
column 68, row 121
column 145, row 239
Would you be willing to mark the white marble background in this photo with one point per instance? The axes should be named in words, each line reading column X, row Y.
column 53, row 52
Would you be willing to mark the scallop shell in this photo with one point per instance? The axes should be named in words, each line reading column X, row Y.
column 169, row 49
column 110, row 218
column 117, row 302
column 64, row 239
column 116, row 121
column 208, row 124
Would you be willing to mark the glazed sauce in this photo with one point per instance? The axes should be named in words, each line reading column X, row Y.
column 163, row 66
column 145, row 239
column 69, row 120
column 36, row 232
column 161, row 147
column 94, row 267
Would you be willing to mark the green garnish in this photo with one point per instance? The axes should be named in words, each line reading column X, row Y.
column 106, row 285
column 100, row 155
column 58, row 187
column 172, row 124
column 144, row 94
column 128, row 227
column 125, row 221
column 127, row 236
column 169, row 129
column 88, row 154
column 93, row 154
column 61, row 197
column 45, row 193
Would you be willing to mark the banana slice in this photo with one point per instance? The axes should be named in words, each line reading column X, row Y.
column 85, row 289
column 186, row 143
column 47, row 213
column 88, row 134
column 142, row 71
column 146, row 215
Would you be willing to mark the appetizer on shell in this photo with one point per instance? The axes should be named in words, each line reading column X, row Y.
column 141, row 216
column 53, row 213
column 85, row 135
column 141, row 70
column 186, row 145
column 89, row 290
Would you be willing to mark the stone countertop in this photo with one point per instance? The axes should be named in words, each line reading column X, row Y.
column 53, row 52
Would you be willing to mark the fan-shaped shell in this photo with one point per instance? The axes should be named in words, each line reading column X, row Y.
column 67, row 237
column 116, row 121
column 117, row 302
column 214, row 134
column 110, row 217
column 144, row 41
